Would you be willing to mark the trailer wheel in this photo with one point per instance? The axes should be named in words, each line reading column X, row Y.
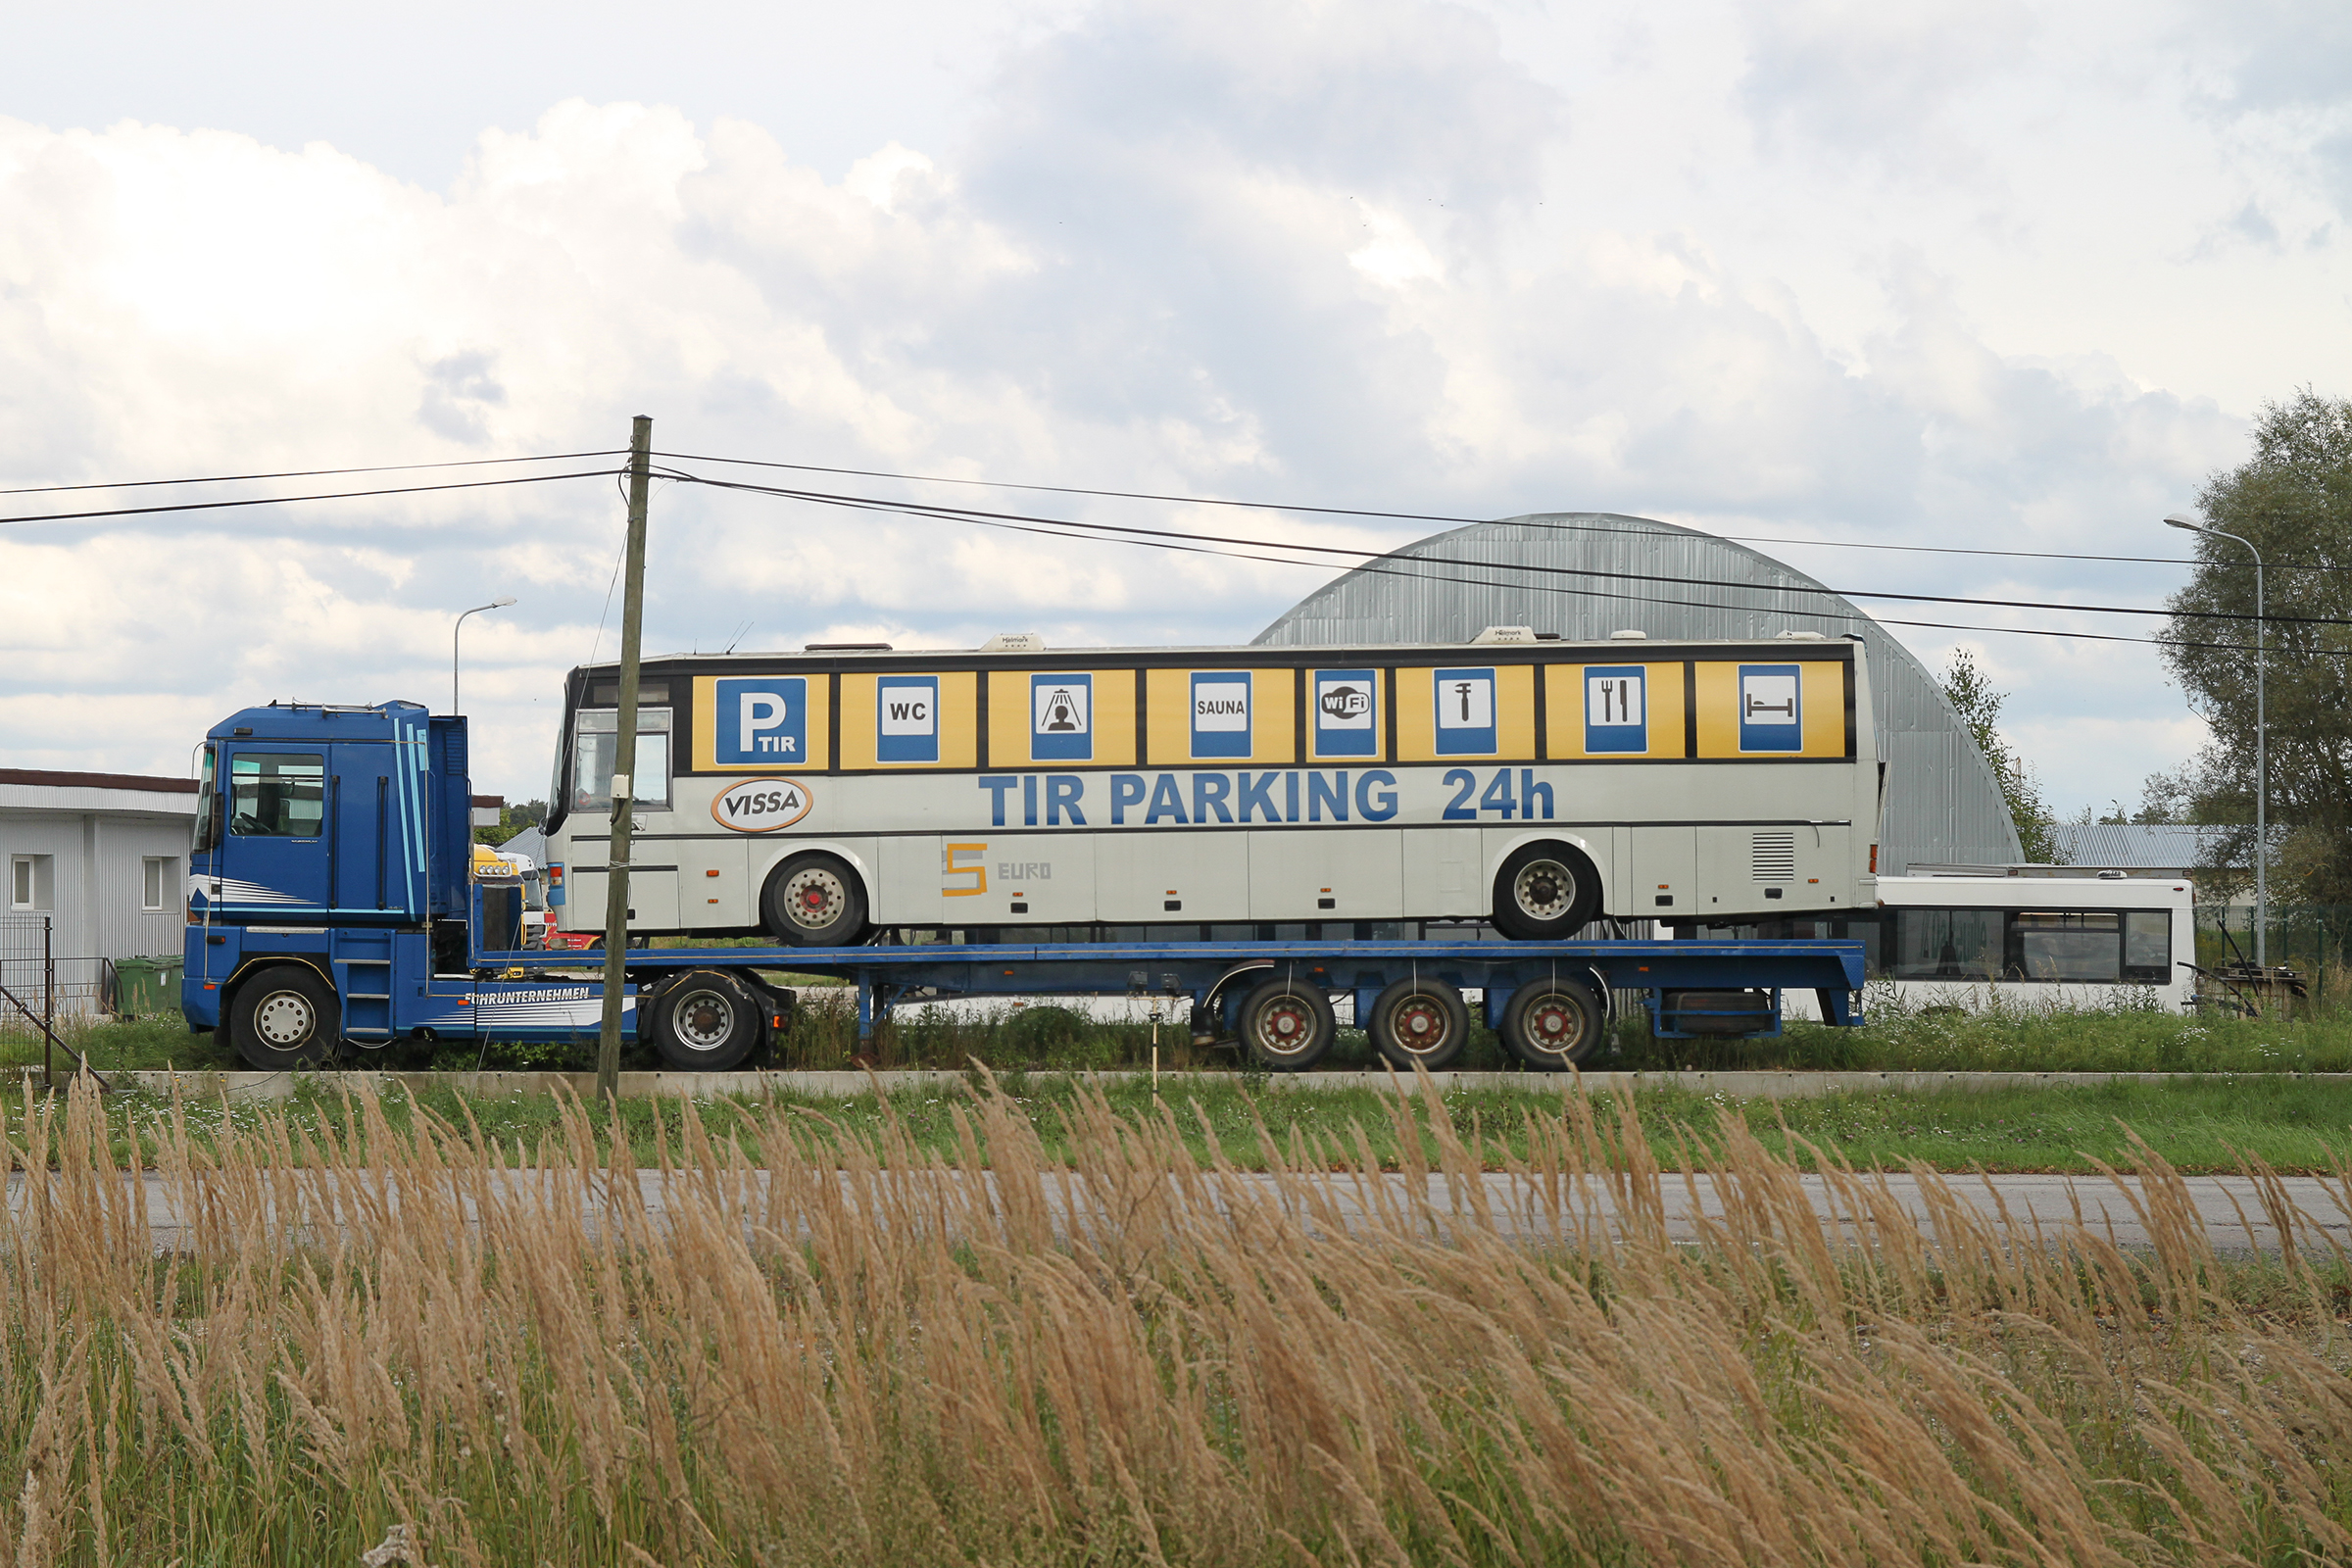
column 1286, row 1025
column 1552, row 1025
column 1546, row 893
column 706, row 1021
column 1424, row 1022
column 284, row 1018
column 814, row 900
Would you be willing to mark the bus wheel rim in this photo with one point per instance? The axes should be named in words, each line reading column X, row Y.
column 1419, row 1025
column 705, row 1020
column 814, row 898
column 284, row 1019
column 1544, row 890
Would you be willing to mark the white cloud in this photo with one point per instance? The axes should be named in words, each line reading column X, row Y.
column 1914, row 275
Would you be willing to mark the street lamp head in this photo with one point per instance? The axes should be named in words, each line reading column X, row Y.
column 501, row 604
column 2182, row 520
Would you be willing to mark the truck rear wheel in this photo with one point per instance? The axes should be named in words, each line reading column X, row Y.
column 1546, row 893
column 1424, row 1022
column 706, row 1021
column 1287, row 1027
column 814, row 900
column 1552, row 1025
column 284, row 1018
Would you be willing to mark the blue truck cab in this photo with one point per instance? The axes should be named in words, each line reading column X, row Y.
column 330, row 894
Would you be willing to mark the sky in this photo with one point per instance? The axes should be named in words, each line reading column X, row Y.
column 1990, row 276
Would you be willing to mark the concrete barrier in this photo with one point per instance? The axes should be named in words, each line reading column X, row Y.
column 212, row 1084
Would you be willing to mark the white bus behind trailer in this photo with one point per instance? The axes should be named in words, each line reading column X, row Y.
column 2032, row 941
column 1225, row 793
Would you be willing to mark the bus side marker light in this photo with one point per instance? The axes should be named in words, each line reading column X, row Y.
column 711, row 873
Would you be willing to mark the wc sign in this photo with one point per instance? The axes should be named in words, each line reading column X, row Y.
column 906, row 718
column 763, row 721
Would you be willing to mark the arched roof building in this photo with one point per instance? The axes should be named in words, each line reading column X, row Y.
column 1546, row 571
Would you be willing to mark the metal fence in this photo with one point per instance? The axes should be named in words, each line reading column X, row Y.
column 42, row 992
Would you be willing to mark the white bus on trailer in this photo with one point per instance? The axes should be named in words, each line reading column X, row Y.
column 1530, row 782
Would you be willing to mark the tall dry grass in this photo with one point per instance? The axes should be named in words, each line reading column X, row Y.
column 382, row 1348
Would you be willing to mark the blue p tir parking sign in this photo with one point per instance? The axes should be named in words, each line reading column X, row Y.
column 1465, row 712
column 906, row 718
column 1220, row 713
column 1770, row 717
column 1347, row 713
column 762, row 722
column 1616, row 709
column 1061, row 718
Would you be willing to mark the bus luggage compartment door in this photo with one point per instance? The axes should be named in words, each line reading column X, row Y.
column 1331, row 875
column 1182, row 876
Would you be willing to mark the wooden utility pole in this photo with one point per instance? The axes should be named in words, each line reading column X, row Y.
column 624, row 767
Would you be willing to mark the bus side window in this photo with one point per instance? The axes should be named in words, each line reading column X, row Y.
column 1946, row 944
column 2148, row 946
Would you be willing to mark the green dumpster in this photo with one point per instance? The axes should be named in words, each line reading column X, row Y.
column 144, row 987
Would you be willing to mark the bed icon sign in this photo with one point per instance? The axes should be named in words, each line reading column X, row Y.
column 1771, row 708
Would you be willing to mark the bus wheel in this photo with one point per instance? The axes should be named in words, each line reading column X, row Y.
column 1423, row 1021
column 1287, row 1026
column 1545, row 893
column 706, row 1021
column 284, row 1018
column 814, row 900
column 1552, row 1025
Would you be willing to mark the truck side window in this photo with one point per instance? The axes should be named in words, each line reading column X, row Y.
column 277, row 794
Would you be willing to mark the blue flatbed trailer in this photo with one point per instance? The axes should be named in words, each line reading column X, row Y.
column 333, row 902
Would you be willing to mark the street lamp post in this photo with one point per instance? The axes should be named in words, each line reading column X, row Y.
column 495, row 604
column 2261, row 772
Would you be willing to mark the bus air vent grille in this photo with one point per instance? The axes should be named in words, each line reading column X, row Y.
column 1772, row 857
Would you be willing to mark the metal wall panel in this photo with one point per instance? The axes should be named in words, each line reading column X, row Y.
column 99, row 875
column 1942, row 802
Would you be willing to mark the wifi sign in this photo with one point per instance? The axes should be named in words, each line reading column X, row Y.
column 906, row 718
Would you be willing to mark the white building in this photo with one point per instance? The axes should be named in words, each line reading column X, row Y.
column 103, row 858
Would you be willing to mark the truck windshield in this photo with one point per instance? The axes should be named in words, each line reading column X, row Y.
column 208, row 807
column 594, row 738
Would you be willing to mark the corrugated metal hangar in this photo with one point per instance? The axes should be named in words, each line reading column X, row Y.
column 1541, row 569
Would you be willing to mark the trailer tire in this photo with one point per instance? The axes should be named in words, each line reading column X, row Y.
column 814, row 900
column 1552, row 1025
column 1286, row 1026
column 1546, row 893
column 1424, row 1022
column 706, row 1021
column 284, row 1018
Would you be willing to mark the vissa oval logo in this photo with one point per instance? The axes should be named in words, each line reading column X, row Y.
column 762, row 805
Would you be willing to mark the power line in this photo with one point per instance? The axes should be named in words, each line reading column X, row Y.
column 1434, row 517
column 279, row 501
column 1376, row 567
column 968, row 514
column 309, row 474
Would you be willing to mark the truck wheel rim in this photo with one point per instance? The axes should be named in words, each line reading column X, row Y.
column 1544, row 890
column 284, row 1019
column 1420, row 1026
column 814, row 898
column 705, row 1020
column 1555, row 1025
column 1284, row 1026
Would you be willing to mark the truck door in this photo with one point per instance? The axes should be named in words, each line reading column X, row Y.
column 275, row 856
column 365, row 873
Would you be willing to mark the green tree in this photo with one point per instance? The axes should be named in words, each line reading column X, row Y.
column 1980, row 708
column 512, row 820
column 2293, row 500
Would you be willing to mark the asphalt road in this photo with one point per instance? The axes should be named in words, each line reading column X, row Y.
column 2230, row 1209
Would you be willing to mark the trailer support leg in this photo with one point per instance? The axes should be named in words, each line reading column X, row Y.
column 1838, row 1007
column 866, row 1005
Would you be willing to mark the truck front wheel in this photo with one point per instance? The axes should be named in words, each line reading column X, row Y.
column 814, row 900
column 284, row 1018
column 706, row 1021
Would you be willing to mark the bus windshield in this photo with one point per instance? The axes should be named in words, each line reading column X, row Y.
column 596, row 735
